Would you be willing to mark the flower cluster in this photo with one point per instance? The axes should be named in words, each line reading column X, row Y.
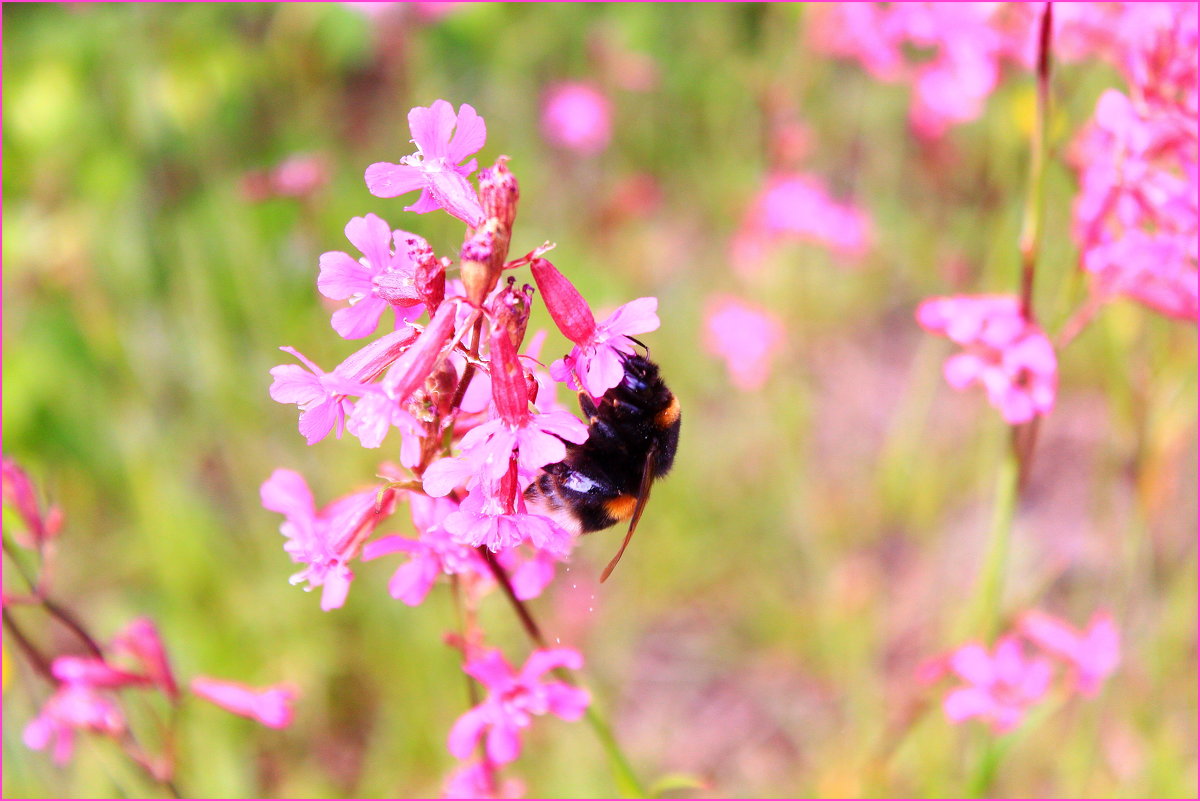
column 1005, row 352
column 1135, row 217
column 476, row 414
column 1001, row 685
column 89, row 691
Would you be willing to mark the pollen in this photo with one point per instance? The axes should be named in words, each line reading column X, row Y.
column 621, row 506
column 669, row 415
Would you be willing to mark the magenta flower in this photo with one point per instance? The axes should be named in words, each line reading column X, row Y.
column 436, row 167
column 513, row 699
column 326, row 540
column 798, row 207
column 476, row 779
column 1001, row 685
column 270, row 706
column 531, row 439
column 1008, row 355
column 433, row 554
column 322, row 397
column 73, row 707
column 21, row 495
column 86, row 671
column 384, row 278
column 141, row 641
column 486, row 518
column 1093, row 654
column 577, row 116
column 746, row 337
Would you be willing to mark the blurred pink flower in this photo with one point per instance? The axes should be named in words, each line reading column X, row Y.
column 140, row 640
column 296, row 176
column 436, row 168
column 745, row 336
column 383, row 278
column 270, row 706
column 73, row 707
column 86, row 671
column 513, row 699
column 1008, row 355
column 1093, row 654
column 1001, row 685
column 475, row 779
column 798, row 207
column 326, row 540
column 21, row 495
column 577, row 116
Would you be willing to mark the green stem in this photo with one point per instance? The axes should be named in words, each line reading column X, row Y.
column 1031, row 223
column 986, row 613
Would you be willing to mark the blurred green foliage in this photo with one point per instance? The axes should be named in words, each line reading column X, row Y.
column 817, row 540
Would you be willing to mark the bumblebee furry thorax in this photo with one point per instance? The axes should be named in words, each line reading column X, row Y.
column 633, row 433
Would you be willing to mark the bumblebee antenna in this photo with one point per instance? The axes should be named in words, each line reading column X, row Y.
column 643, row 496
column 645, row 347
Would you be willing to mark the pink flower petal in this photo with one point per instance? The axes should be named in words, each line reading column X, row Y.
column 392, row 180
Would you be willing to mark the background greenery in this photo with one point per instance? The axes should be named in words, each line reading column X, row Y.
column 817, row 540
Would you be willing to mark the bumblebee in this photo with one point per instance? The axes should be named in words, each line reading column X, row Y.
column 633, row 432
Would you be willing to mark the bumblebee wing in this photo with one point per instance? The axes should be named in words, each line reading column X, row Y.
column 643, row 496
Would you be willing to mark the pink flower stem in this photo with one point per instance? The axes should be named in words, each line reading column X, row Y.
column 531, row 626
column 38, row 660
column 469, row 370
column 1079, row 320
column 1031, row 224
column 53, row 608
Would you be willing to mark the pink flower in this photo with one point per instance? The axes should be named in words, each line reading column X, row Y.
column 745, row 336
column 93, row 673
column 296, row 176
column 486, row 518
column 21, row 495
column 73, row 707
column 1001, row 685
column 513, row 699
column 322, row 397
column 324, row 541
column 577, row 117
column 793, row 206
column 382, row 279
column 270, row 706
column 436, row 167
column 1008, row 355
column 476, row 779
column 140, row 640
column 1093, row 654
column 433, row 554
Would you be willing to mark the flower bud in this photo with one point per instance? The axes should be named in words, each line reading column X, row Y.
column 508, row 379
column 498, row 192
column 411, row 369
column 480, row 270
column 430, row 275
column 510, row 310
column 140, row 639
column 567, row 307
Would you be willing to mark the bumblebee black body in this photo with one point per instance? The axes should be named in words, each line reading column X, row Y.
column 633, row 433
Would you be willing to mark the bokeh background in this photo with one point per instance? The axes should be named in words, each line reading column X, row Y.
column 819, row 537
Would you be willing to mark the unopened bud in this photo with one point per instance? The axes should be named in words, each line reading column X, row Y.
column 429, row 277
column 510, row 309
column 567, row 307
column 508, row 379
column 480, row 270
column 498, row 192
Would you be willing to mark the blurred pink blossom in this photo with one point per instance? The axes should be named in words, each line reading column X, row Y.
column 1093, row 653
column 1008, row 355
column 296, row 176
column 20, row 493
column 514, row 699
column 270, row 706
column 577, row 116
column 793, row 206
column 745, row 336
column 1001, row 685
column 436, row 168
column 73, row 707
column 1136, row 212
column 140, row 640
column 476, row 779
